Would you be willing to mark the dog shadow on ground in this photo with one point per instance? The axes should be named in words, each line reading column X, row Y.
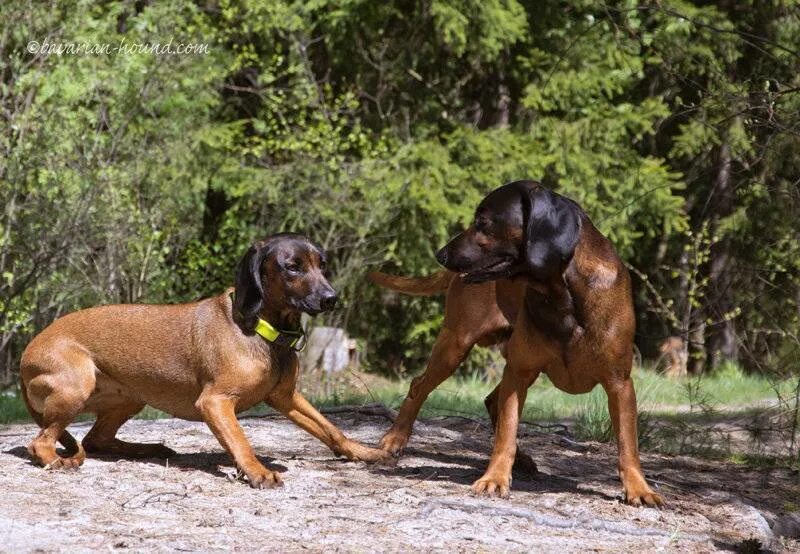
column 571, row 467
column 464, row 468
column 208, row 462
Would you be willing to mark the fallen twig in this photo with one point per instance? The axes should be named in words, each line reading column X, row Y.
column 144, row 498
column 376, row 409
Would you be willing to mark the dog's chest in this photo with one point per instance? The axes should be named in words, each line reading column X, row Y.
column 551, row 310
column 262, row 377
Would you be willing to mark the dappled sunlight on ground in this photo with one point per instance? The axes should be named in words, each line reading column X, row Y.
column 572, row 504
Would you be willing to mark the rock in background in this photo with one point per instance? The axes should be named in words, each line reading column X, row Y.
column 329, row 349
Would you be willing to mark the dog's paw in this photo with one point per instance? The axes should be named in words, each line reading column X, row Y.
column 393, row 443
column 645, row 497
column 492, row 485
column 72, row 463
column 636, row 491
column 360, row 452
column 263, row 478
column 382, row 458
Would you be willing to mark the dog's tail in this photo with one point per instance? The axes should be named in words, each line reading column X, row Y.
column 417, row 286
column 66, row 439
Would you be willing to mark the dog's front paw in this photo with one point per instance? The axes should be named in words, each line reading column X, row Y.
column 393, row 442
column 360, row 452
column 644, row 497
column 263, row 478
column 637, row 492
column 492, row 485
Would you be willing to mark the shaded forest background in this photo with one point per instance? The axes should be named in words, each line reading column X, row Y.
column 376, row 127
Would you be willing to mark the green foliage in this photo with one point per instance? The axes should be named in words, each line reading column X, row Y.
column 376, row 127
column 593, row 422
column 12, row 408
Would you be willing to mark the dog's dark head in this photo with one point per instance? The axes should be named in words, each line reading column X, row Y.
column 285, row 272
column 519, row 228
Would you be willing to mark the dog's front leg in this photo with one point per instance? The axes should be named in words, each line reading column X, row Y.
column 622, row 408
column 218, row 411
column 512, row 392
column 295, row 407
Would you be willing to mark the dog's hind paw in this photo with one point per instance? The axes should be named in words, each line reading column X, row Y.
column 64, row 463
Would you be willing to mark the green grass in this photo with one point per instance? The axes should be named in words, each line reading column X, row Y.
column 675, row 416
column 12, row 408
column 727, row 388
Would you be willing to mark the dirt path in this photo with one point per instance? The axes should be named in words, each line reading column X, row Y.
column 571, row 505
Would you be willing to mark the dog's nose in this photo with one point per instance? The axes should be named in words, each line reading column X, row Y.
column 441, row 256
column 328, row 301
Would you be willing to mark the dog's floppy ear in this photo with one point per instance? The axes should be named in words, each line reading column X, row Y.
column 249, row 296
column 552, row 230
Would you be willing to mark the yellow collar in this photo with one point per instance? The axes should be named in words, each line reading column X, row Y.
column 280, row 337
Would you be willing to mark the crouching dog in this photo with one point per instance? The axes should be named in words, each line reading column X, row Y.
column 202, row 361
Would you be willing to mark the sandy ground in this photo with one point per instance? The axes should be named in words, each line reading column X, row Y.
column 327, row 504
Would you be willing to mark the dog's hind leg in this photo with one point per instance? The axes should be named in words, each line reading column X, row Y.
column 112, row 413
column 522, row 461
column 472, row 316
column 55, row 389
column 449, row 351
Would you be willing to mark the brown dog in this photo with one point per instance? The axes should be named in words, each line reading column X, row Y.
column 533, row 271
column 205, row 360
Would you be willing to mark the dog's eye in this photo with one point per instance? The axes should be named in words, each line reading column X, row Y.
column 292, row 267
column 481, row 223
column 323, row 267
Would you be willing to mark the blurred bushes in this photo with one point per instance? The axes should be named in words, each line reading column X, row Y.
column 376, row 127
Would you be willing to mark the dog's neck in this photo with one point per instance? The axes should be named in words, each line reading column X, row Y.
column 282, row 318
column 551, row 307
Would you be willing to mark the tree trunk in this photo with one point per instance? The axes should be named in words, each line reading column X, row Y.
column 692, row 321
column 215, row 205
column 721, row 341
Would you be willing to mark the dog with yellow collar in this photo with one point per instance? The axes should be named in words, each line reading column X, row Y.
column 203, row 361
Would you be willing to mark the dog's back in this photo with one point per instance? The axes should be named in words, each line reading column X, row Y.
column 137, row 350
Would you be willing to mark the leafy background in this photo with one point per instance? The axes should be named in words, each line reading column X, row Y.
column 375, row 127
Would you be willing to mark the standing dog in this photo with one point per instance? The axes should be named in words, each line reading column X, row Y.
column 532, row 270
column 202, row 361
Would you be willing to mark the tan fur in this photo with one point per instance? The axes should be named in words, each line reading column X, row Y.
column 598, row 352
column 189, row 360
column 416, row 286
